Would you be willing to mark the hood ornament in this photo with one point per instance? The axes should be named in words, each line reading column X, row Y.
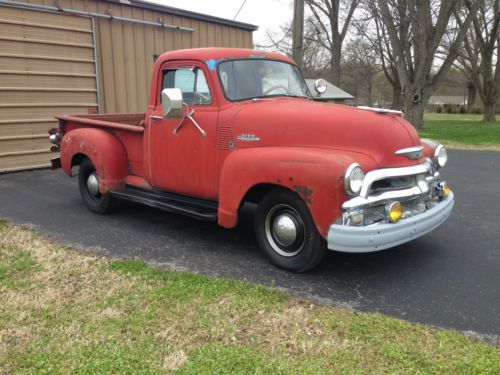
column 412, row 153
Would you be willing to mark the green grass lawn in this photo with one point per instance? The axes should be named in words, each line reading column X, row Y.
column 462, row 131
column 62, row 311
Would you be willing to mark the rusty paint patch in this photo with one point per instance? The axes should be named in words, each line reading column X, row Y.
column 305, row 192
column 103, row 172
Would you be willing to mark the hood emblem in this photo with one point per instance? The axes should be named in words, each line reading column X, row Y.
column 247, row 138
column 412, row 153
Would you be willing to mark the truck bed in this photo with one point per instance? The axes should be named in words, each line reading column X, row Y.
column 128, row 128
column 129, row 121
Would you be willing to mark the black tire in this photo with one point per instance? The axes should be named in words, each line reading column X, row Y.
column 298, row 253
column 97, row 203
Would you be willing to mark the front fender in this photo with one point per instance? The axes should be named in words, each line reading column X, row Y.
column 316, row 175
column 104, row 150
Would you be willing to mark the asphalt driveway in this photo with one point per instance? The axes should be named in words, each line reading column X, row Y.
column 448, row 278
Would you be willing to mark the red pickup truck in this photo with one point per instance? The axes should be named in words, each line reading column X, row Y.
column 229, row 126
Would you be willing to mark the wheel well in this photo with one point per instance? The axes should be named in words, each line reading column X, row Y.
column 77, row 160
column 257, row 192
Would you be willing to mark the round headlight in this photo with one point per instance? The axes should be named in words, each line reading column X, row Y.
column 353, row 180
column 440, row 156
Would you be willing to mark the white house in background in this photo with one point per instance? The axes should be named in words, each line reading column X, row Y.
column 455, row 100
column 333, row 94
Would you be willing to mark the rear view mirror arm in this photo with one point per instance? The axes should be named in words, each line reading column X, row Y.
column 189, row 114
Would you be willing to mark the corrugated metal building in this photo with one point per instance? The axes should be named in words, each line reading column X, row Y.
column 80, row 56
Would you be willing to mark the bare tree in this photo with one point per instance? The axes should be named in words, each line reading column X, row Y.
column 416, row 29
column 480, row 55
column 360, row 65
column 471, row 96
column 331, row 20
column 315, row 58
column 371, row 27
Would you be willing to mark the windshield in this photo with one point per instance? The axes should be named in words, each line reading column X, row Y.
column 245, row 79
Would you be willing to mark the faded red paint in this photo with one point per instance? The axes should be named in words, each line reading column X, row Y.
column 304, row 146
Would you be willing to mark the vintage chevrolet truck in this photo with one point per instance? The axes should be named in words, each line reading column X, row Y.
column 228, row 126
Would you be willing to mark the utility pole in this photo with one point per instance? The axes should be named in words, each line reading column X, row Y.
column 298, row 31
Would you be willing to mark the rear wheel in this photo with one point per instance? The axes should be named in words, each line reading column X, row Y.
column 287, row 233
column 88, row 182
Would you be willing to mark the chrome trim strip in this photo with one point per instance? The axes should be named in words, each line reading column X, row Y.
column 248, row 138
column 408, row 150
column 380, row 174
column 385, row 196
column 380, row 110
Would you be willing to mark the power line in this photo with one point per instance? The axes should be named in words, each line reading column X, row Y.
column 239, row 10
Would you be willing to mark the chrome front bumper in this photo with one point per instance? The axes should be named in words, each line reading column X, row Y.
column 380, row 236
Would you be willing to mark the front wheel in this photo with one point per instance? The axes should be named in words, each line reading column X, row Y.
column 287, row 233
column 88, row 182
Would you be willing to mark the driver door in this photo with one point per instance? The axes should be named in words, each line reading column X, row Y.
column 184, row 162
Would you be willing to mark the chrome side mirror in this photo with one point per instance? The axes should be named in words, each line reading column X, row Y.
column 320, row 86
column 171, row 102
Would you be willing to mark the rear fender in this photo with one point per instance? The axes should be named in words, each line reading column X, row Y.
column 316, row 175
column 104, row 150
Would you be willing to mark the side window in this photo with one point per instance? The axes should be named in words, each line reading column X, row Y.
column 192, row 83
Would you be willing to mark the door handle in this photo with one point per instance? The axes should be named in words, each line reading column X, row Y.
column 154, row 117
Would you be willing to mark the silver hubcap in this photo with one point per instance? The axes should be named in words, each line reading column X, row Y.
column 284, row 230
column 93, row 184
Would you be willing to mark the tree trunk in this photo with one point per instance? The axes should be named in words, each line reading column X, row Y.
column 471, row 97
column 489, row 111
column 414, row 113
column 335, row 64
column 370, row 91
column 397, row 102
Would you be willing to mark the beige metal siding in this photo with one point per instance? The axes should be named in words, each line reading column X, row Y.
column 125, row 50
column 46, row 68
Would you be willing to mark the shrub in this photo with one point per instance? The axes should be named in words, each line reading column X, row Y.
column 462, row 110
column 439, row 109
column 449, row 108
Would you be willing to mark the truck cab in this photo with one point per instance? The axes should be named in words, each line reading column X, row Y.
column 228, row 126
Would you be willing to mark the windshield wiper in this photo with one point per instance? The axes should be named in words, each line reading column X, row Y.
column 264, row 97
column 295, row 96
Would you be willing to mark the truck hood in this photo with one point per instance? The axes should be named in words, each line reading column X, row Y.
column 305, row 123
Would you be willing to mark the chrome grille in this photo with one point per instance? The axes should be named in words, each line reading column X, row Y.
column 392, row 183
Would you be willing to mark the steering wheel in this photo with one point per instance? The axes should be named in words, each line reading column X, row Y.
column 204, row 97
column 275, row 87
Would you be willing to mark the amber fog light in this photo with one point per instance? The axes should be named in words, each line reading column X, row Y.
column 444, row 188
column 394, row 211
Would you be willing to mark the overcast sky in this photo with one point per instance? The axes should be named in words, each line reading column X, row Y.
column 267, row 14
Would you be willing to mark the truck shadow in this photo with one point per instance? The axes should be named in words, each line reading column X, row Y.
column 237, row 247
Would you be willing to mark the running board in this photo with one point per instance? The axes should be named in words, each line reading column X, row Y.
column 193, row 207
